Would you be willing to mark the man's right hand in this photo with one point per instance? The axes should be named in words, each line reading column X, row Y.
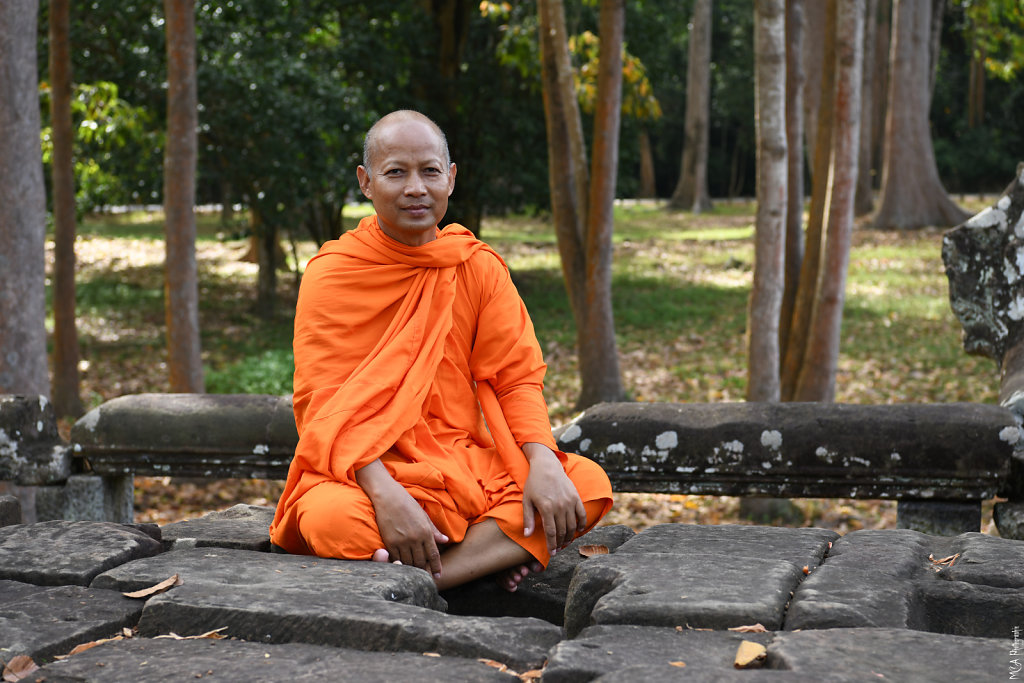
column 408, row 534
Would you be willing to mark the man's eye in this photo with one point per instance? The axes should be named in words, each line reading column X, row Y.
column 393, row 171
column 432, row 171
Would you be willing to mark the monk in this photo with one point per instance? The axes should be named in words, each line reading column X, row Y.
column 423, row 434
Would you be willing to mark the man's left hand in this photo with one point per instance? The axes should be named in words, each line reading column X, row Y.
column 550, row 493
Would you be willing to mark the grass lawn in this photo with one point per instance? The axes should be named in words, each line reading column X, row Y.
column 681, row 284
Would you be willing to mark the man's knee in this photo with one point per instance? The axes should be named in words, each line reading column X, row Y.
column 337, row 520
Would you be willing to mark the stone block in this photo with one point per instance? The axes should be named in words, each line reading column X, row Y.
column 891, row 654
column 607, row 650
column 269, row 597
column 1009, row 518
column 957, row 451
column 58, row 553
column 189, row 435
column 51, row 503
column 10, row 511
column 131, row 661
column 31, row 451
column 939, row 518
column 244, row 527
column 44, row 622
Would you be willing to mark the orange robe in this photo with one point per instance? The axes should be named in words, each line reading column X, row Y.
column 397, row 350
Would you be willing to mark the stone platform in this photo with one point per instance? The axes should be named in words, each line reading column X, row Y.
column 672, row 602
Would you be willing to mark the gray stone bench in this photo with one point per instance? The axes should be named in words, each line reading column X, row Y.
column 939, row 461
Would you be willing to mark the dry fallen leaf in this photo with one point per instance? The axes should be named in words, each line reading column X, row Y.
column 947, row 561
column 678, row 664
column 531, row 675
column 591, row 550
column 750, row 628
column 164, row 585
column 431, row 654
column 88, row 646
column 19, row 668
column 495, row 664
column 215, row 634
column 749, row 654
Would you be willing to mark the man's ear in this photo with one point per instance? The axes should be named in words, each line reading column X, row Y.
column 364, row 182
column 451, row 179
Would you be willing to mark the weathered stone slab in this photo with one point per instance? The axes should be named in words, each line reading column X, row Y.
column 59, row 553
column 130, row 661
column 257, row 574
column 892, row 654
column 939, row 517
column 245, row 527
column 541, row 595
column 288, row 598
column 1009, row 519
column 608, row 649
column 666, row 672
column 10, row 511
column 700, row 590
column 967, row 585
column 189, row 435
column 950, row 451
column 803, row 546
column 44, row 622
column 698, row 576
column 31, row 451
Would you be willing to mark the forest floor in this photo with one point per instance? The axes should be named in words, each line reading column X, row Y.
column 681, row 283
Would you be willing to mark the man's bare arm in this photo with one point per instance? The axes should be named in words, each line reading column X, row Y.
column 550, row 493
column 408, row 534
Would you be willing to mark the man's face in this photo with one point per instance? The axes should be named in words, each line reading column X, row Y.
column 408, row 181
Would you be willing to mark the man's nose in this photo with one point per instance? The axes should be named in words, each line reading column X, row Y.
column 416, row 184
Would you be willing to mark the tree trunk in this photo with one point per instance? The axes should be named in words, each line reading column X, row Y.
column 691, row 192
column 22, row 207
column 769, row 243
column 795, row 78
column 817, row 376
column 67, row 400
column 561, row 115
column 976, row 84
column 181, row 271
column 813, row 49
column 865, row 202
column 584, row 242
column 796, row 343
column 912, row 194
column 267, row 250
column 880, row 88
column 599, row 361
column 648, row 188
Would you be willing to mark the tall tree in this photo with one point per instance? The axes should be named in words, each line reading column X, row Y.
column 794, row 237
column 181, row 286
column 769, row 242
column 912, row 194
column 582, row 208
column 691, row 192
column 67, row 398
column 22, row 207
column 816, row 381
column 865, row 202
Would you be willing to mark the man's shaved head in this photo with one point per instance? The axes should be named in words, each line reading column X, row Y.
column 370, row 142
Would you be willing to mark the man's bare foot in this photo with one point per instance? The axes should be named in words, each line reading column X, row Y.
column 510, row 578
column 380, row 555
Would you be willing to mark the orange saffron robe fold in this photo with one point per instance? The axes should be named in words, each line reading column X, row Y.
column 424, row 357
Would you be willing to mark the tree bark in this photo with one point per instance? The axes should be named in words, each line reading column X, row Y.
column 795, row 78
column 766, row 293
column 691, row 192
column 599, row 360
column 648, row 188
column 817, row 376
column 796, row 343
column 67, row 399
column 23, row 368
column 813, row 49
column 181, row 300
column 864, row 201
column 584, row 240
column 912, row 194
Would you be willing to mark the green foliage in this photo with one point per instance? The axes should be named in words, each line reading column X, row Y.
column 268, row 372
column 105, row 127
column 998, row 27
